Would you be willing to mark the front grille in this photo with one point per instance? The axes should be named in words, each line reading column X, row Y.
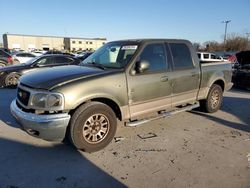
column 24, row 109
column 23, row 96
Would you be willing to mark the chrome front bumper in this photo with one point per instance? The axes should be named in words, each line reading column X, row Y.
column 50, row 127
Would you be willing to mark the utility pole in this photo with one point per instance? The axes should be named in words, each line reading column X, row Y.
column 225, row 36
column 247, row 34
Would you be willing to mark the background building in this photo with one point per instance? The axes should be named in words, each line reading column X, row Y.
column 32, row 42
column 79, row 44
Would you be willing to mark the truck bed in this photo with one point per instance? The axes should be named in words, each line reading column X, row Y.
column 215, row 71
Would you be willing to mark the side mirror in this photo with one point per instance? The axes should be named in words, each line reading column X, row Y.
column 142, row 66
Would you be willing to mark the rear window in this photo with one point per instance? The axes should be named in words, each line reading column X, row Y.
column 63, row 60
column 181, row 56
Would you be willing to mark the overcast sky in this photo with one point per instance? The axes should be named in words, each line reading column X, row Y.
column 196, row 20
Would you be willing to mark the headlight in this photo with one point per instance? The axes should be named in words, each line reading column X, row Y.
column 47, row 101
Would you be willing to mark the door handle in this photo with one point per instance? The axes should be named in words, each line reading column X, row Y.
column 164, row 78
column 193, row 74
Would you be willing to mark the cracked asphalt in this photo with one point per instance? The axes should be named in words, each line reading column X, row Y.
column 190, row 149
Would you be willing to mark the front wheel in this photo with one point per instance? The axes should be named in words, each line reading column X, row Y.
column 92, row 126
column 214, row 99
column 12, row 79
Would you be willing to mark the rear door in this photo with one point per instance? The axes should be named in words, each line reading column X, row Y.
column 186, row 77
column 150, row 91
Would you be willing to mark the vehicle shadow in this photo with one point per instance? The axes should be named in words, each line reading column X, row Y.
column 25, row 165
column 6, row 97
column 237, row 89
column 235, row 106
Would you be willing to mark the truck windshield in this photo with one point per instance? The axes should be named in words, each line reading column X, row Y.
column 112, row 55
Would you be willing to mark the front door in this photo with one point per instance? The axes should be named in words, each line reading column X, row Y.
column 150, row 91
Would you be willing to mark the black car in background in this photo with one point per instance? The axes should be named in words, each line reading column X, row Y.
column 10, row 75
column 5, row 58
column 241, row 72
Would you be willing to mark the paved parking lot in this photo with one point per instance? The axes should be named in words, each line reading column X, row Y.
column 191, row 149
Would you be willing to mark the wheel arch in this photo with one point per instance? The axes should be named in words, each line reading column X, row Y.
column 219, row 82
column 105, row 100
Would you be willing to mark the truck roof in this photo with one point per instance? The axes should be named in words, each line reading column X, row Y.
column 152, row 40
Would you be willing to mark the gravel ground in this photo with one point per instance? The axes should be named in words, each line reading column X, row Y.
column 190, row 149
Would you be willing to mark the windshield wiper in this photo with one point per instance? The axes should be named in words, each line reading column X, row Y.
column 96, row 65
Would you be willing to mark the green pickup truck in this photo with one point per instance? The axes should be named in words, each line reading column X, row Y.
column 134, row 81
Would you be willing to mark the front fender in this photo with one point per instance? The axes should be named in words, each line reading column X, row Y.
column 113, row 87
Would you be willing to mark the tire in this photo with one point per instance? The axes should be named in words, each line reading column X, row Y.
column 214, row 99
column 16, row 61
column 2, row 64
column 92, row 126
column 11, row 79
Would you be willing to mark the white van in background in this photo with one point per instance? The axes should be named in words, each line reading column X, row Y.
column 206, row 57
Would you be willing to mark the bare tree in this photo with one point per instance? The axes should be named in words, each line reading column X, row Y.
column 234, row 42
column 197, row 46
column 213, row 46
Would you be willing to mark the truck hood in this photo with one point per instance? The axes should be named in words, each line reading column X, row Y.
column 57, row 76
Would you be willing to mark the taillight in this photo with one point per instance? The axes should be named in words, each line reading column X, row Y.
column 10, row 59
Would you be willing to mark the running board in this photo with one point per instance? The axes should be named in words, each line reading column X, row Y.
column 162, row 115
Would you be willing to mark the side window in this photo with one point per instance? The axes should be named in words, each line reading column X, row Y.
column 61, row 60
column 213, row 56
column 206, row 56
column 45, row 61
column 154, row 54
column 69, row 60
column 181, row 56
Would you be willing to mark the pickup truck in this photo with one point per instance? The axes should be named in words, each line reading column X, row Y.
column 134, row 81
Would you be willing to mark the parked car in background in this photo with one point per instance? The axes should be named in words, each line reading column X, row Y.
column 38, row 52
column 209, row 57
column 5, row 59
column 23, row 57
column 232, row 58
column 6, row 50
column 241, row 73
column 83, row 56
column 10, row 75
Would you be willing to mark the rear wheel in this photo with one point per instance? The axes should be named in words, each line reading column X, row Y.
column 214, row 99
column 92, row 126
column 12, row 79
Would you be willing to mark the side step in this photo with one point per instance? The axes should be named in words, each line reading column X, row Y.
column 162, row 115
